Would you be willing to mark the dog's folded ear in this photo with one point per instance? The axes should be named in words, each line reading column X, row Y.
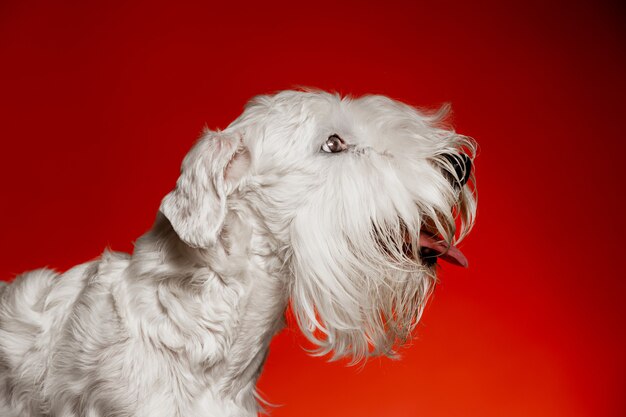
column 210, row 172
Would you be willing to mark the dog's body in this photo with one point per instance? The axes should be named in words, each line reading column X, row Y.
column 118, row 337
column 330, row 203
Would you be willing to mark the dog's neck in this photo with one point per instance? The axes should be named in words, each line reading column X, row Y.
column 216, row 309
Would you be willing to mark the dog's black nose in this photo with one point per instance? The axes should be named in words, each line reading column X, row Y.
column 462, row 165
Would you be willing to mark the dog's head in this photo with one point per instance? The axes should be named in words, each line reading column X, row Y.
column 362, row 197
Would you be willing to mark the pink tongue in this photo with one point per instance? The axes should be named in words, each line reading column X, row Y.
column 450, row 254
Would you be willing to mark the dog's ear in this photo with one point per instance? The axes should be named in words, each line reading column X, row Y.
column 210, row 172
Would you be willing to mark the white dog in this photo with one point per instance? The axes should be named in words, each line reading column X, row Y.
column 338, row 206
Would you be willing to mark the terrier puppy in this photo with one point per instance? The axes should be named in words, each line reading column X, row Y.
column 341, row 207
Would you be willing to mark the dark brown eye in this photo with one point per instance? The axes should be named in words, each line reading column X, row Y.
column 334, row 144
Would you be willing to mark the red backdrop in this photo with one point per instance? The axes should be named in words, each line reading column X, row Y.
column 99, row 103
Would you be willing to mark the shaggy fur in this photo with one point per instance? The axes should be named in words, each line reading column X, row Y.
column 262, row 215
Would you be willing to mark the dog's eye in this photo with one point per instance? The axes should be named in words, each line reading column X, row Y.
column 334, row 144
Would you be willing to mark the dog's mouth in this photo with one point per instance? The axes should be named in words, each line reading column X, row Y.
column 432, row 248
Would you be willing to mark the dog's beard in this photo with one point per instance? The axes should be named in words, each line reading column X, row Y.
column 361, row 284
column 359, row 296
column 366, row 311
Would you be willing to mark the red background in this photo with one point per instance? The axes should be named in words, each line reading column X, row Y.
column 99, row 103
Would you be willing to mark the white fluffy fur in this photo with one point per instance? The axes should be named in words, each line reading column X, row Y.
column 260, row 217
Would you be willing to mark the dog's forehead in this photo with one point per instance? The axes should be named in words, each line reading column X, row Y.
column 299, row 122
column 322, row 107
column 335, row 108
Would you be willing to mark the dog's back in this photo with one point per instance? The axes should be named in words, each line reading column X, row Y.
column 33, row 310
